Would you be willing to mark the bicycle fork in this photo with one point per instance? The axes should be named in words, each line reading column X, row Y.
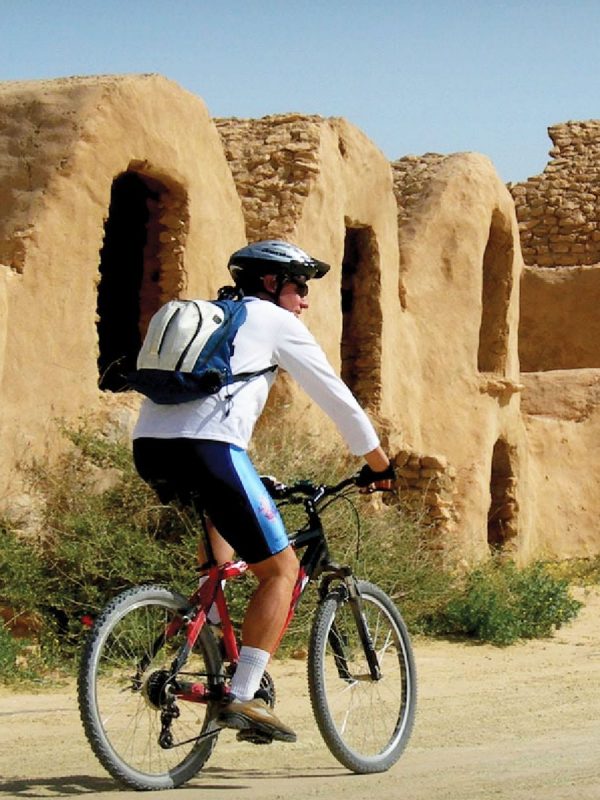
column 338, row 645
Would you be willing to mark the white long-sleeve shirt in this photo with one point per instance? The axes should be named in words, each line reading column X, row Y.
column 270, row 335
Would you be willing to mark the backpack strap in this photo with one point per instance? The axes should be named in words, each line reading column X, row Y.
column 245, row 376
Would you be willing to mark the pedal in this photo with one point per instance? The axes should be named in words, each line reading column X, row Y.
column 254, row 736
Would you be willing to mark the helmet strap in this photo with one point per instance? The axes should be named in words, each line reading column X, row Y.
column 281, row 278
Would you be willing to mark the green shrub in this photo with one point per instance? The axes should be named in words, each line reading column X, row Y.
column 20, row 659
column 10, row 648
column 499, row 603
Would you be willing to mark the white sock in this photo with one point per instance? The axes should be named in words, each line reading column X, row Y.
column 248, row 673
column 213, row 615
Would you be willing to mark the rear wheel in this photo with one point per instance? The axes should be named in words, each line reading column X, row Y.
column 365, row 722
column 136, row 726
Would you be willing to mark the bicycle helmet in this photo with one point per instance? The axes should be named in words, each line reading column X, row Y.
column 272, row 257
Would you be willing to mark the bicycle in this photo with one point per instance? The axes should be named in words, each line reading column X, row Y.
column 153, row 675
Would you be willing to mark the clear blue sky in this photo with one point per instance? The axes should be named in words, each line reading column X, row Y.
column 454, row 75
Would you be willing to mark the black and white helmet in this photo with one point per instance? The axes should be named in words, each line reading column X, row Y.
column 273, row 257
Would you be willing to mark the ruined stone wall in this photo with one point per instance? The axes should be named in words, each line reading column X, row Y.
column 559, row 210
column 426, row 485
column 274, row 161
column 412, row 181
column 559, row 225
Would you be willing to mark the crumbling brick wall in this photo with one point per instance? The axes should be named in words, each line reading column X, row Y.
column 274, row 161
column 426, row 485
column 559, row 211
column 412, row 175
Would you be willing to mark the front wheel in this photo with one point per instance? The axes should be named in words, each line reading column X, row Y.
column 366, row 722
column 126, row 687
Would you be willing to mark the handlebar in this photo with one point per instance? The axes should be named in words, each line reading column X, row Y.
column 304, row 490
column 316, row 491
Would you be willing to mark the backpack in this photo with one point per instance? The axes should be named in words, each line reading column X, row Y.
column 186, row 351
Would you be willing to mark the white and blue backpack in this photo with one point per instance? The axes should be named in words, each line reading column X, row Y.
column 187, row 350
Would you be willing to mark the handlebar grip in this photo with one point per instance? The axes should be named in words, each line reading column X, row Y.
column 302, row 487
column 367, row 476
column 275, row 488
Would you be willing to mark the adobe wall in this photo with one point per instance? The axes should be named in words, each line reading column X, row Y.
column 561, row 414
column 560, row 324
column 460, row 266
column 62, row 144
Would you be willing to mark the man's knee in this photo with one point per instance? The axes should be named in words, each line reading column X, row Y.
column 283, row 565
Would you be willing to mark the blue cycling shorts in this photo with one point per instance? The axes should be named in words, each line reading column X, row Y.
column 218, row 478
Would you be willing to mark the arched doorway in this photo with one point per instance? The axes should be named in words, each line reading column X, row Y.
column 141, row 267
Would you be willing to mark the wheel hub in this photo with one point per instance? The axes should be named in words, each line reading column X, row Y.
column 156, row 688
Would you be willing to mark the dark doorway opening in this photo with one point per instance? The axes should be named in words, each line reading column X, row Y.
column 361, row 315
column 121, row 272
column 502, row 515
column 139, row 269
column 495, row 299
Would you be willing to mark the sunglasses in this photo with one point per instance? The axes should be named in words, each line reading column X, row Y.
column 301, row 287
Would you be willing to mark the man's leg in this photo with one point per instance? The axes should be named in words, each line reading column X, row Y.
column 270, row 603
column 266, row 614
column 240, row 507
column 222, row 552
column 221, row 549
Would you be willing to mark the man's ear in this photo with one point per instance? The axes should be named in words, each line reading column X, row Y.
column 270, row 283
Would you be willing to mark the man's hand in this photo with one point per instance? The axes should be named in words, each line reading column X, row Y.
column 371, row 481
column 274, row 487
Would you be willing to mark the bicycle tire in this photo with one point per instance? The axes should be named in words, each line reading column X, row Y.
column 366, row 724
column 120, row 719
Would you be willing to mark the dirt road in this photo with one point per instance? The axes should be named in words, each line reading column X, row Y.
column 516, row 724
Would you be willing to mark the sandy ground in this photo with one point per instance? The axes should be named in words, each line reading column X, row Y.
column 516, row 723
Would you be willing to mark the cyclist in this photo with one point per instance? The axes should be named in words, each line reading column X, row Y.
column 195, row 452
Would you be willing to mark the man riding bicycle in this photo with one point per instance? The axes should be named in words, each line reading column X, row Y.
column 196, row 453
